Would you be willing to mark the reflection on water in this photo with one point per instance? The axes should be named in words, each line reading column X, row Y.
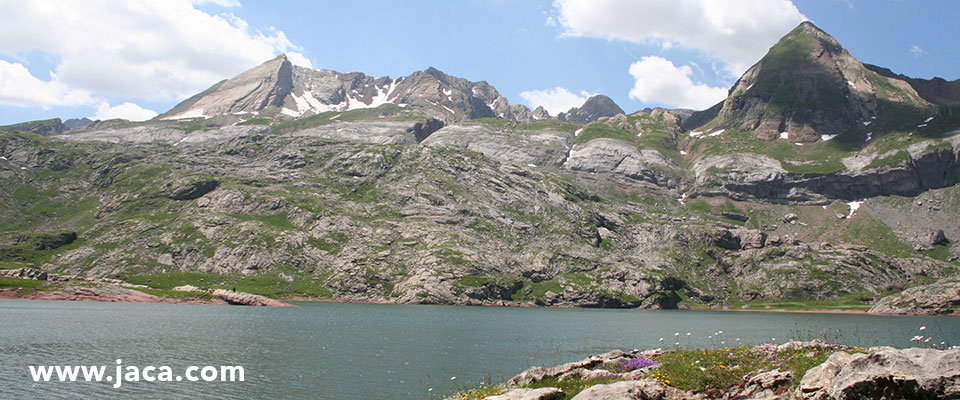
column 365, row 351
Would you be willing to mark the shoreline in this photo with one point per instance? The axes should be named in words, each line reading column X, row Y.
column 131, row 295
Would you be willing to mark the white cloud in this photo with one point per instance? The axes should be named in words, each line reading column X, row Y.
column 917, row 51
column 735, row 32
column 127, row 111
column 299, row 59
column 154, row 50
column 555, row 100
column 659, row 81
column 20, row 88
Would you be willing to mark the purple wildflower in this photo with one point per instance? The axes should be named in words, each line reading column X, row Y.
column 636, row 363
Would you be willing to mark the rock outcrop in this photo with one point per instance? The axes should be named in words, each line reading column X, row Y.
column 887, row 374
column 644, row 389
column 939, row 298
column 618, row 157
column 246, row 299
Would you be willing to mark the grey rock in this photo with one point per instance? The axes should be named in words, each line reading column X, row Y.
column 770, row 385
column 929, row 238
column 646, row 389
column 540, row 148
column 547, row 393
column 540, row 113
column 890, row 374
column 246, row 299
column 620, row 158
column 938, row 298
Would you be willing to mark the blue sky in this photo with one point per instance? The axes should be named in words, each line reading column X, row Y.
column 62, row 58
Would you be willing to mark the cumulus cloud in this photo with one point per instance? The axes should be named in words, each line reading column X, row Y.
column 657, row 80
column 18, row 87
column 127, row 111
column 736, row 33
column 299, row 59
column 154, row 50
column 555, row 100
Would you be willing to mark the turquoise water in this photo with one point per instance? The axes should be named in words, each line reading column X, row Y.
column 363, row 351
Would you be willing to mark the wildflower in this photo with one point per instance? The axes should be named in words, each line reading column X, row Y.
column 688, row 333
column 453, row 378
column 676, row 334
column 676, row 344
column 661, row 340
column 719, row 332
column 636, row 363
column 923, row 328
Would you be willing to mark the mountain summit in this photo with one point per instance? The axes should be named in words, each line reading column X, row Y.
column 808, row 86
column 279, row 87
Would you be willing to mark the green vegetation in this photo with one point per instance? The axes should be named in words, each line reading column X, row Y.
column 514, row 126
column 23, row 286
column 256, row 121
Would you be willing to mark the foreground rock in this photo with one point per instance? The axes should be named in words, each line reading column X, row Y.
column 645, row 389
column 940, row 298
column 882, row 373
column 889, row 374
column 247, row 299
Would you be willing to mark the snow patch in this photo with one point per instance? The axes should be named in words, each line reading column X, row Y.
column 240, row 113
column 827, row 137
column 784, row 135
column 532, row 165
column 577, row 133
column 867, row 123
column 922, row 126
column 928, row 120
column 695, row 134
column 447, row 92
column 682, row 198
column 798, row 144
column 335, row 117
column 3, row 158
column 851, row 84
column 287, row 111
column 683, row 153
column 194, row 113
column 869, row 136
column 854, row 206
column 717, row 133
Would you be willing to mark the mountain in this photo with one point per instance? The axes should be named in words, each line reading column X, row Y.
column 808, row 86
column 75, row 123
column 937, row 90
column 279, row 87
column 42, row 127
column 594, row 108
column 800, row 188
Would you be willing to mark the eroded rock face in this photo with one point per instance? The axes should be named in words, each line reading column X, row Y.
column 770, row 385
column 193, row 190
column 617, row 157
column 538, row 148
column 888, row 374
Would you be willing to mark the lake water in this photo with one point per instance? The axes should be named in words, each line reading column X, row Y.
column 363, row 351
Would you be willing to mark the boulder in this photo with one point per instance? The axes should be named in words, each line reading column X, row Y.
column 646, row 389
column 770, row 385
column 927, row 239
column 547, row 393
column 887, row 374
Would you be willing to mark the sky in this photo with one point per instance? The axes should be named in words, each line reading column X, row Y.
column 107, row 59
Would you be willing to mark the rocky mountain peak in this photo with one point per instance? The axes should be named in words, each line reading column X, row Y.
column 594, row 108
column 279, row 87
column 806, row 88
